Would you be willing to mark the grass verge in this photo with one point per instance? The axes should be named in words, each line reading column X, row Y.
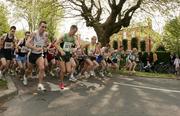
column 3, row 85
column 145, row 74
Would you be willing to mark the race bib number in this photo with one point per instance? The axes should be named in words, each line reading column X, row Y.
column 67, row 46
column 8, row 45
column 23, row 49
column 39, row 46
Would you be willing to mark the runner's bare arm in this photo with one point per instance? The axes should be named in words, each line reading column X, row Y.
column 15, row 43
column 77, row 43
column 2, row 38
column 46, row 39
column 58, row 47
column 85, row 46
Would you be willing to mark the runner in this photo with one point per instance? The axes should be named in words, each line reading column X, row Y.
column 91, row 48
column 36, row 42
column 100, row 60
column 84, row 63
column 51, row 57
column 64, row 46
column 21, row 54
column 7, row 45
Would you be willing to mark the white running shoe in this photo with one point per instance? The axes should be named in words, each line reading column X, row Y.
column 41, row 87
column 73, row 79
column 52, row 74
column 25, row 81
column 101, row 74
column 92, row 73
column 86, row 75
column 79, row 76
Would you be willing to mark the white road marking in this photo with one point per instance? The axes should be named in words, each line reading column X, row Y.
column 150, row 88
column 128, row 79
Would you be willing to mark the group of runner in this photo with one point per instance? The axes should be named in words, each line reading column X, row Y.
column 66, row 54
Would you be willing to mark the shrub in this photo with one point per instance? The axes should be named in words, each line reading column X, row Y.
column 163, row 56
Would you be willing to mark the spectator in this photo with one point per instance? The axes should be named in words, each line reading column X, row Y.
column 149, row 60
column 177, row 65
column 172, row 58
column 171, row 61
column 141, row 63
column 155, row 61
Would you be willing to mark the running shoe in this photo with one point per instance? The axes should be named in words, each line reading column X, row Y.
column 25, row 81
column 61, row 85
column 72, row 78
column 41, row 87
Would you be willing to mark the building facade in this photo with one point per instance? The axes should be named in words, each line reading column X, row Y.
column 142, row 31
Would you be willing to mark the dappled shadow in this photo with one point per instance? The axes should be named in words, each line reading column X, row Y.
column 93, row 97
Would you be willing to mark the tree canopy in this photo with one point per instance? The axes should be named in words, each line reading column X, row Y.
column 109, row 16
column 171, row 36
column 33, row 11
column 4, row 26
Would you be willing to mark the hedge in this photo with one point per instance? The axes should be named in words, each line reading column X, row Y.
column 162, row 57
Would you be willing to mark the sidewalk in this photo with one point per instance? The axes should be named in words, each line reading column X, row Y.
column 10, row 92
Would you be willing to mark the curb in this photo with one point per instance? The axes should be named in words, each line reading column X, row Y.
column 10, row 92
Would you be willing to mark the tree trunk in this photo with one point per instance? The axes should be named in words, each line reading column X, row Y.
column 103, row 35
column 103, row 38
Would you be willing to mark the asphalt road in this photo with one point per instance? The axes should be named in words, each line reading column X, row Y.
column 117, row 96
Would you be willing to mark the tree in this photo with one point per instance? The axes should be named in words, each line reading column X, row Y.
column 35, row 10
column 119, row 14
column 161, row 48
column 107, row 16
column 4, row 26
column 171, row 38
column 20, row 34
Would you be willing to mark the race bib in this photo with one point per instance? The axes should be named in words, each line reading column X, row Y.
column 23, row 49
column 67, row 46
column 8, row 45
column 39, row 46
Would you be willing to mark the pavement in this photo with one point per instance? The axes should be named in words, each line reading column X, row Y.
column 8, row 93
column 116, row 96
